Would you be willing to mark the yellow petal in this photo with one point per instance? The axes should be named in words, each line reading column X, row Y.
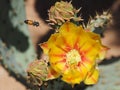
column 92, row 77
column 103, row 49
column 47, row 45
column 62, row 43
column 57, row 58
column 94, row 36
column 69, row 34
column 89, row 51
column 72, row 77
column 84, row 68
column 52, row 74
column 102, row 53
column 68, row 27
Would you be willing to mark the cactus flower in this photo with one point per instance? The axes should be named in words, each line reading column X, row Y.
column 73, row 53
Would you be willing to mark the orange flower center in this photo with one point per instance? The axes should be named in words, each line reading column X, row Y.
column 73, row 57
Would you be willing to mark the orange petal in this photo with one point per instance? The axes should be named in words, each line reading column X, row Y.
column 92, row 77
column 102, row 53
column 47, row 45
column 72, row 77
column 68, row 33
column 52, row 74
column 67, row 27
column 94, row 36
column 90, row 50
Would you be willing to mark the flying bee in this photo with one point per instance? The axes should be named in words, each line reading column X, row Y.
column 31, row 22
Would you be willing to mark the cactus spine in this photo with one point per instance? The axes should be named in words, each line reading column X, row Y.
column 99, row 23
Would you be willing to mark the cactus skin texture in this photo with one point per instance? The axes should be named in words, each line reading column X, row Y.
column 16, row 49
column 99, row 23
column 58, row 84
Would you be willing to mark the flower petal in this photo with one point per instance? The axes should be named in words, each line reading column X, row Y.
column 57, row 58
column 72, row 77
column 92, row 77
column 102, row 53
column 47, row 45
column 52, row 74
column 68, row 33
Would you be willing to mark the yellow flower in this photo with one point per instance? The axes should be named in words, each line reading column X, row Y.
column 73, row 52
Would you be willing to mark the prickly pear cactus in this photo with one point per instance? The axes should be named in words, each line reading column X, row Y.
column 99, row 23
column 53, row 85
column 16, row 49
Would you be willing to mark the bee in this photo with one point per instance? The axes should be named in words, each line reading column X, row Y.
column 31, row 22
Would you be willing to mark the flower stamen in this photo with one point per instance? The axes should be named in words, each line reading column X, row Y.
column 73, row 57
